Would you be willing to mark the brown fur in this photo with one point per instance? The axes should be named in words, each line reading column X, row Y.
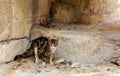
column 43, row 45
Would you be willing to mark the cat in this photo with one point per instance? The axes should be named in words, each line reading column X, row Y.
column 28, row 53
column 49, row 50
column 41, row 48
column 38, row 46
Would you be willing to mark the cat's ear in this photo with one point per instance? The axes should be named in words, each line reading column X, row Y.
column 56, row 37
column 53, row 36
column 48, row 38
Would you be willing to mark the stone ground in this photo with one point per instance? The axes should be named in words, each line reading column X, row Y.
column 110, row 32
column 26, row 67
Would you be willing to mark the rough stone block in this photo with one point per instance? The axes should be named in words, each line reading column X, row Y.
column 58, row 61
column 75, row 65
column 5, row 19
column 21, row 28
column 64, row 13
column 9, row 49
column 90, row 19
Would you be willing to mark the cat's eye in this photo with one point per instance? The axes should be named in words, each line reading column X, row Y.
column 55, row 44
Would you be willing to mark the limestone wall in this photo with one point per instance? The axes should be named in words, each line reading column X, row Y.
column 17, row 17
column 92, row 11
column 15, row 25
column 5, row 19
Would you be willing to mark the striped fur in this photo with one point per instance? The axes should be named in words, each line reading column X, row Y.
column 41, row 48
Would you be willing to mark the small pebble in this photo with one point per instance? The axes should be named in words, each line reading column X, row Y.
column 58, row 61
column 44, row 63
column 75, row 65
column 68, row 29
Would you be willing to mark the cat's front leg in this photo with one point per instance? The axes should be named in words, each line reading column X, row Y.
column 36, row 54
column 51, row 59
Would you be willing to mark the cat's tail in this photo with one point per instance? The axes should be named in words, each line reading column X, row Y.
column 18, row 57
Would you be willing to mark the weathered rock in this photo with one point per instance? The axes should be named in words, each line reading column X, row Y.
column 90, row 19
column 75, row 65
column 15, row 19
column 8, row 50
column 58, row 61
column 64, row 13
column 15, row 22
column 18, row 16
column 83, row 44
column 35, row 33
column 90, row 11
column 42, row 16
column 22, row 18
column 5, row 19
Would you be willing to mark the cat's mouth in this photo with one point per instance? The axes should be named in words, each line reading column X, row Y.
column 53, row 49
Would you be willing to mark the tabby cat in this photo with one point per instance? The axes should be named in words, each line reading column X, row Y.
column 49, row 51
column 42, row 48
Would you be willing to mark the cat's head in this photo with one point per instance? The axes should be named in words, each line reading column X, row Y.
column 53, row 43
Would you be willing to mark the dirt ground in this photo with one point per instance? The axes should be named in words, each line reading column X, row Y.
column 27, row 67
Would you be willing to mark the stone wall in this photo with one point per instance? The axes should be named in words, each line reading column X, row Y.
column 5, row 19
column 92, row 11
column 15, row 25
column 41, row 11
column 63, row 13
column 17, row 17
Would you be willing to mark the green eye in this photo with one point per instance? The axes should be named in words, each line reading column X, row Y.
column 55, row 44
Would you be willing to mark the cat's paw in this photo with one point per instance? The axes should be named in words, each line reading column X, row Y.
column 43, row 63
column 51, row 63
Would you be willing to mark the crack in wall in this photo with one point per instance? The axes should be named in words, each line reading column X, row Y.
column 13, row 39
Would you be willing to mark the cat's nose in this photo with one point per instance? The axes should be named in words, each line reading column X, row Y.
column 52, row 46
